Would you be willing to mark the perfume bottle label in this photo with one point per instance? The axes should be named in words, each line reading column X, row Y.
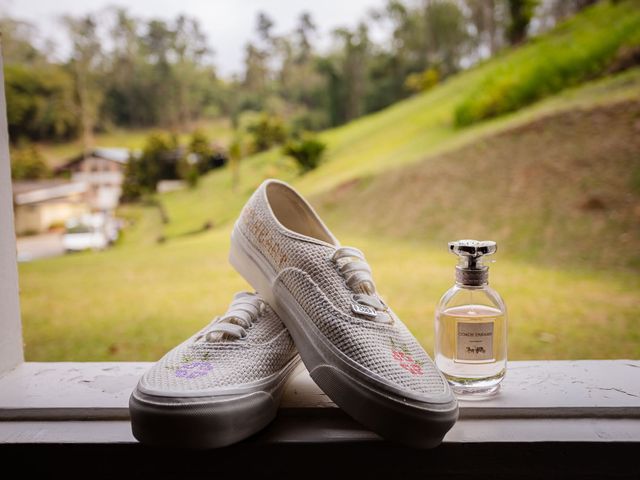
column 474, row 341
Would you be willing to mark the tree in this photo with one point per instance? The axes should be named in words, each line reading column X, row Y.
column 159, row 72
column 257, row 57
column 520, row 12
column 355, row 54
column 304, row 32
column 191, row 48
column 256, row 69
column 432, row 35
column 298, row 80
column 125, row 91
column 39, row 93
column 264, row 26
column 17, row 45
column 86, row 63
column 485, row 18
column 40, row 102
column 446, row 35
column 405, row 55
column 157, row 43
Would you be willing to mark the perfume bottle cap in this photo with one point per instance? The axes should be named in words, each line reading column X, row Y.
column 470, row 270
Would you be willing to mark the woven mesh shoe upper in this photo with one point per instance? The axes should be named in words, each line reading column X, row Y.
column 284, row 228
column 211, row 360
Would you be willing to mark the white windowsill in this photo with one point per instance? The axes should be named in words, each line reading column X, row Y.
column 552, row 401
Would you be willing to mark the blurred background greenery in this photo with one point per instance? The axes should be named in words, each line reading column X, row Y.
column 511, row 120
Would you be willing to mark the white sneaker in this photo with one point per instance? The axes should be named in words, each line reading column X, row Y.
column 355, row 348
column 221, row 385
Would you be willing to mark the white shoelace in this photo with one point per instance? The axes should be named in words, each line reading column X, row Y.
column 357, row 275
column 241, row 314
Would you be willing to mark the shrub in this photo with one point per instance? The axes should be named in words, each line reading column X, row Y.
column 27, row 163
column 267, row 131
column 422, row 81
column 200, row 146
column 581, row 49
column 307, row 151
column 132, row 185
column 159, row 160
column 189, row 169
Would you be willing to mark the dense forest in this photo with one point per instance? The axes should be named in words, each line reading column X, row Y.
column 127, row 71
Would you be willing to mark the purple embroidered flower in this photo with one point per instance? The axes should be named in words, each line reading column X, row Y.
column 194, row 369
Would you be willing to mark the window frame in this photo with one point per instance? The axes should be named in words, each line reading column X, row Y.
column 11, row 343
column 572, row 401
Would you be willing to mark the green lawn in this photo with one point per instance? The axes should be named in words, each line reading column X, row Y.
column 138, row 300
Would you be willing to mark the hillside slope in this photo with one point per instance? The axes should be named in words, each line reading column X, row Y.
column 214, row 202
column 563, row 189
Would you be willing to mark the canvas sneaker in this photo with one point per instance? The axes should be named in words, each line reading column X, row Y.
column 355, row 347
column 221, row 385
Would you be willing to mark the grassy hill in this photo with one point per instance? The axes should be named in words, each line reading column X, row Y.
column 556, row 183
column 562, row 189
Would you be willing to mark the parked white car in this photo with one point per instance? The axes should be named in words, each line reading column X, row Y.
column 95, row 231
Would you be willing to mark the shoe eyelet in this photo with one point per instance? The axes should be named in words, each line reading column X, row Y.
column 261, row 309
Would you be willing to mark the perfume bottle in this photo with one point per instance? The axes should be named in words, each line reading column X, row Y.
column 471, row 325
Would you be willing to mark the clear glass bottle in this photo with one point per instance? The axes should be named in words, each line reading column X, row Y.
column 471, row 325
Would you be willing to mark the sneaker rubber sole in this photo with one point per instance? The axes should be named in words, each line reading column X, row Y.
column 206, row 422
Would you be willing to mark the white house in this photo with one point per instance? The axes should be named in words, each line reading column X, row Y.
column 103, row 171
column 40, row 205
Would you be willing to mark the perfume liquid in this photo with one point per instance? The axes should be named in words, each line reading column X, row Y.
column 471, row 326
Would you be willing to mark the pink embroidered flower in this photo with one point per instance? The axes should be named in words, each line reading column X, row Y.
column 398, row 355
column 407, row 362
column 415, row 368
column 194, row 369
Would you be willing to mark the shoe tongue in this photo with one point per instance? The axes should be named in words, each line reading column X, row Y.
column 385, row 317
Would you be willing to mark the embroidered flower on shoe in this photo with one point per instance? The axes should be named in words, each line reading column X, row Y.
column 194, row 369
column 401, row 355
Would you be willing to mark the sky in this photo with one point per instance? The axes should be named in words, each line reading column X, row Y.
column 228, row 24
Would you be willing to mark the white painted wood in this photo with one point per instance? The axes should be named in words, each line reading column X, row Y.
column 551, row 388
column 525, row 430
column 68, row 390
column 11, row 353
column 564, row 389
column 587, row 399
column 29, row 432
